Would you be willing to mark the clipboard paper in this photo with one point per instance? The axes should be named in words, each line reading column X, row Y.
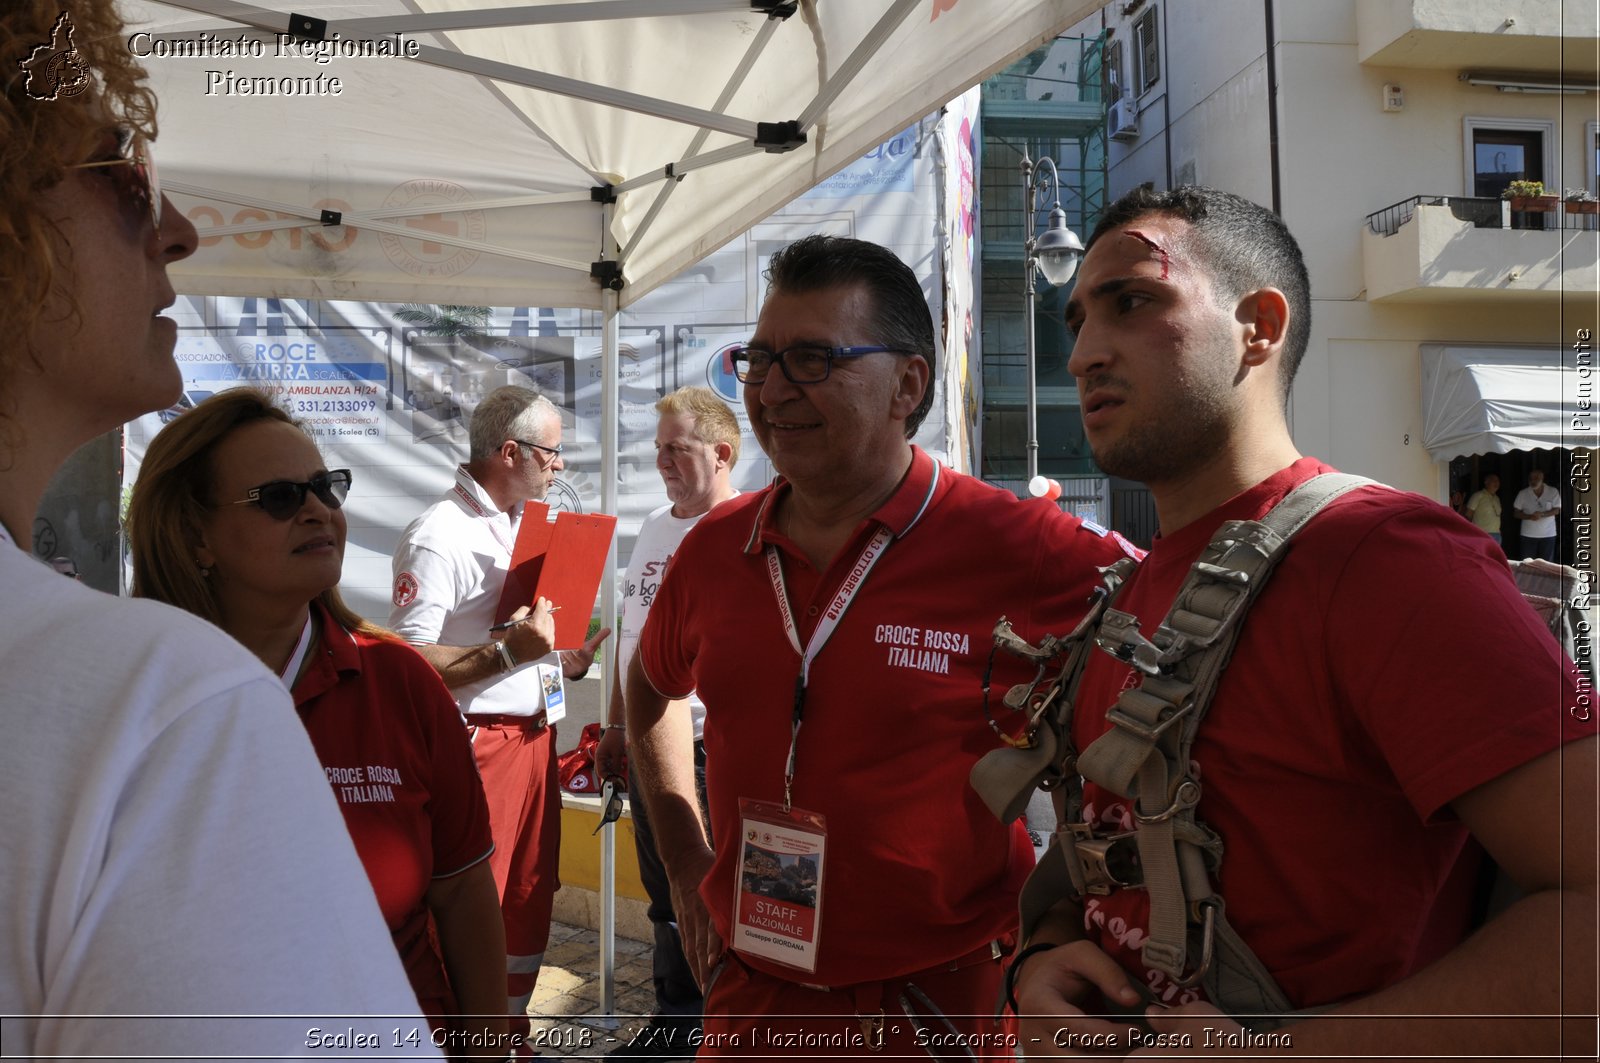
column 561, row 560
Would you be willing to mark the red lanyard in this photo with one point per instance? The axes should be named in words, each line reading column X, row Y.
column 477, row 507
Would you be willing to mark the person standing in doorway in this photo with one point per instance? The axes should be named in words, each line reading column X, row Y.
column 1483, row 508
column 1536, row 506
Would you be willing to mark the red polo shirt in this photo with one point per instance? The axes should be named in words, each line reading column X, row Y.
column 917, row 871
column 396, row 755
column 1389, row 667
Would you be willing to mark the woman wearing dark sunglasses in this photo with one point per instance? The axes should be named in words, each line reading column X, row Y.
column 236, row 519
column 168, row 848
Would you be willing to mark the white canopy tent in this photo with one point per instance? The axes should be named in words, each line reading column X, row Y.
column 551, row 154
column 1493, row 400
column 570, row 154
column 702, row 116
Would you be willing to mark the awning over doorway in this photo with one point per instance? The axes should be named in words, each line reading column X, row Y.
column 1483, row 400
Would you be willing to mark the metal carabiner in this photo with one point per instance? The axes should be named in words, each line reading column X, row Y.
column 1210, row 905
column 1186, row 796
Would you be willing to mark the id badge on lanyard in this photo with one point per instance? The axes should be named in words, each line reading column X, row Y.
column 777, row 898
column 554, row 695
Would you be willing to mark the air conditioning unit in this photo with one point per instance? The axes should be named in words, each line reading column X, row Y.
column 1122, row 120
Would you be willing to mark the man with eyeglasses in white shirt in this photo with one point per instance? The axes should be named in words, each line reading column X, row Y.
column 449, row 571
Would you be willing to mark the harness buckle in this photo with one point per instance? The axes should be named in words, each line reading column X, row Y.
column 1223, row 574
column 1119, row 636
column 1107, row 863
column 1148, row 732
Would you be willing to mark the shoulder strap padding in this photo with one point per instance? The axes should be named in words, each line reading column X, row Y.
column 1144, row 755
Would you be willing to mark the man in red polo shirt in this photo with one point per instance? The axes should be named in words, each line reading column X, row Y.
column 838, row 625
column 1390, row 701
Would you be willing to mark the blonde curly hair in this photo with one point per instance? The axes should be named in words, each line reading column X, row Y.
column 39, row 139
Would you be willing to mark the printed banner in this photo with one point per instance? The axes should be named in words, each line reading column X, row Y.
column 389, row 391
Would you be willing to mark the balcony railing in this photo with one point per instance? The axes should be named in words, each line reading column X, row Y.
column 1436, row 248
column 1481, row 212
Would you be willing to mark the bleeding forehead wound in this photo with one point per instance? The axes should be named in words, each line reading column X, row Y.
column 1159, row 252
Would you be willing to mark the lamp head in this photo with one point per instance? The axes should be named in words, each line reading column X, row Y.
column 1058, row 250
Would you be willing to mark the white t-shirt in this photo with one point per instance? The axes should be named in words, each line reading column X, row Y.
column 169, row 846
column 444, row 594
column 658, row 539
column 1547, row 505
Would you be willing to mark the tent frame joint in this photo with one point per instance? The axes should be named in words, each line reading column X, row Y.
column 332, row 217
column 778, row 137
column 306, row 28
column 778, row 9
column 606, row 193
column 607, row 273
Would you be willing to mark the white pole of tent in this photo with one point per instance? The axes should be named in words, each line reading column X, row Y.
column 610, row 414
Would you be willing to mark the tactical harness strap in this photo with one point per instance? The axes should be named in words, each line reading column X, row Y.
column 1145, row 755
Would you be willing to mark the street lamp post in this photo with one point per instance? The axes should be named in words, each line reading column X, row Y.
column 1055, row 253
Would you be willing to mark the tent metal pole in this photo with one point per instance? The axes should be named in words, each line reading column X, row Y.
column 715, row 157
column 587, row 91
column 729, row 90
column 314, row 216
column 857, row 60
column 610, row 415
column 273, row 22
column 534, row 15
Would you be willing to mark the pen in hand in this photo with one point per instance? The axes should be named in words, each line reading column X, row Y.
column 504, row 624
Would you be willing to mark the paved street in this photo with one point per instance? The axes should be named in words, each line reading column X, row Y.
column 566, row 1002
column 568, row 1022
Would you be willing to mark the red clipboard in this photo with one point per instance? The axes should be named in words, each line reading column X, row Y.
column 562, row 561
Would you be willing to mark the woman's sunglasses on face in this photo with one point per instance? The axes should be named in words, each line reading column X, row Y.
column 134, row 170
column 282, row 499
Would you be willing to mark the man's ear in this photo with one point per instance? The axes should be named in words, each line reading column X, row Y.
column 914, row 380
column 1264, row 313
column 724, row 453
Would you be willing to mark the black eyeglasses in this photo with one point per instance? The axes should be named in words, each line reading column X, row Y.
column 138, row 183
column 554, row 452
column 282, row 499
column 804, row 363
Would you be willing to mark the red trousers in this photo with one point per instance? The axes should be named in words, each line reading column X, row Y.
column 750, row 1013
column 517, row 762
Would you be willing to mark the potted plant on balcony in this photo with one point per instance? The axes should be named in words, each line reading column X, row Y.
column 1529, row 196
column 1581, row 201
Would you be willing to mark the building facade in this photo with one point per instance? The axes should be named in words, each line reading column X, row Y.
column 1452, row 334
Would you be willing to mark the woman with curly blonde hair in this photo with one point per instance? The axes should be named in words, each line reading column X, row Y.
column 169, row 849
